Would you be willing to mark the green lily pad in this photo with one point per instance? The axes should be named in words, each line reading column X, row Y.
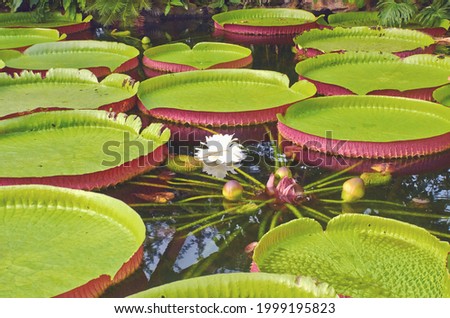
column 216, row 97
column 363, row 39
column 365, row 18
column 267, row 21
column 264, row 17
column 77, row 148
column 442, row 95
column 351, row 19
column 14, row 38
column 65, row 88
column 241, row 285
column 179, row 56
column 368, row 126
column 56, row 240
column 365, row 72
column 35, row 20
column 360, row 256
column 70, row 54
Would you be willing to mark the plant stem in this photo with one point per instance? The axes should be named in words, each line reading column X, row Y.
column 255, row 181
column 214, row 223
column 294, row 210
column 323, row 190
column 316, row 213
column 332, row 176
column 274, row 221
column 262, row 226
column 165, row 205
column 199, row 197
column 364, row 201
column 333, row 181
column 184, row 227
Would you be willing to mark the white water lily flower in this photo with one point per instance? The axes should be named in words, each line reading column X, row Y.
column 221, row 155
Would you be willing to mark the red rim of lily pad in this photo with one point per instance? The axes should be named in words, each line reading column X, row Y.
column 100, row 57
column 375, row 61
column 359, row 145
column 401, row 42
column 99, row 72
column 154, row 57
column 100, row 179
column 396, row 167
column 70, row 76
column 239, row 38
column 398, row 149
column 332, row 90
column 311, row 52
column 212, row 98
column 96, row 176
column 97, row 286
column 214, row 119
column 267, row 21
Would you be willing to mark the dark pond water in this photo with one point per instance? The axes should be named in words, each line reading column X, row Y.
column 216, row 244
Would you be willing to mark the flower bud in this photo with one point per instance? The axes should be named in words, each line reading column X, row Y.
column 232, row 190
column 353, row 190
column 283, row 172
column 145, row 40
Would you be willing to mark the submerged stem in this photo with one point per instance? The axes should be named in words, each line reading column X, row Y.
column 294, row 210
column 332, row 176
column 316, row 213
column 323, row 190
column 255, row 181
column 199, row 197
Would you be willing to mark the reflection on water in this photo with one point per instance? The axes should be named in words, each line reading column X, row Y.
column 420, row 188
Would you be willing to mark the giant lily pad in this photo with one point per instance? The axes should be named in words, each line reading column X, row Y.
column 399, row 41
column 360, row 256
column 368, row 126
column 265, row 21
column 241, row 285
column 220, row 97
column 77, row 149
column 63, row 242
column 376, row 73
column 100, row 57
column 179, row 57
column 54, row 20
column 21, row 38
column 365, row 18
column 65, row 89
column 442, row 95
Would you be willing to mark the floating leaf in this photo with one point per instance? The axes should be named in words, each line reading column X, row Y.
column 242, row 285
column 266, row 21
column 368, row 126
column 399, row 41
column 72, row 243
column 360, row 256
column 67, row 89
column 100, row 57
column 220, row 97
column 366, row 18
column 19, row 38
column 78, row 149
column 376, row 73
column 56, row 20
column 442, row 95
column 179, row 57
